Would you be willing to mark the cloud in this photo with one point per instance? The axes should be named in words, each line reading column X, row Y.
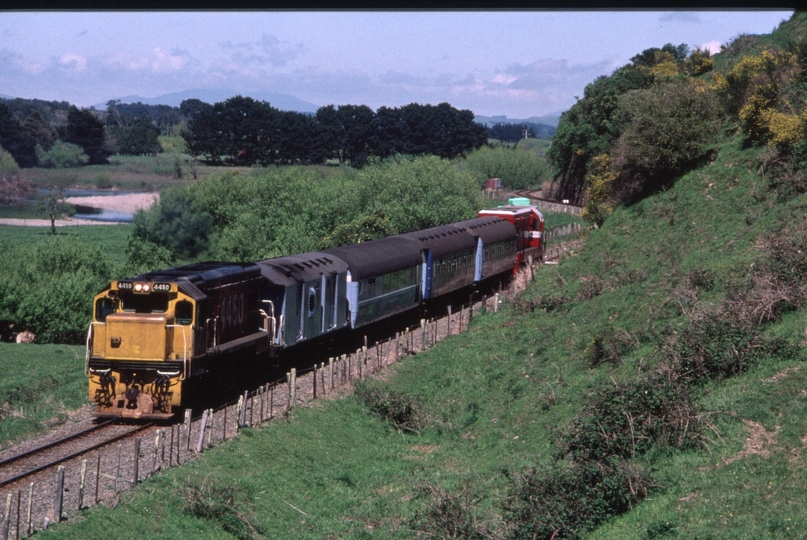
column 73, row 62
column 712, row 46
column 680, row 17
column 269, row 50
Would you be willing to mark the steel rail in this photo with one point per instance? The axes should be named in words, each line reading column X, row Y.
column 70, row 456
column 54, row 443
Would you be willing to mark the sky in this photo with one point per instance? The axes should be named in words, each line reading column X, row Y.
column 514, row 63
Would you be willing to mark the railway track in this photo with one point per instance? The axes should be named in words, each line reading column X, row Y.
column 46, row 456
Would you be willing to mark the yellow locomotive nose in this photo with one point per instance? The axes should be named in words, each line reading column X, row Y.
column 136, row 336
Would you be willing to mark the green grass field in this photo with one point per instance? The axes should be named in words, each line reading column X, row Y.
column 499, row 397
column 40, row 386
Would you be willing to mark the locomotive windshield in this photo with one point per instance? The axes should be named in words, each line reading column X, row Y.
column 144, row 303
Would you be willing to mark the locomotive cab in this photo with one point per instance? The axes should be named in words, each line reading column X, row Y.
column 151, row 333
column 139, row 345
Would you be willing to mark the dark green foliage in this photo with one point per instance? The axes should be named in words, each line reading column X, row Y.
column 50, row 292
column 31, row 393
column 545, row 303
column 660, row 529
column 568, row 500
column 518, row 168
column 179, row 221
column 144, row 256
column 627, row 419
column 667, row 128
column 717, row 345
column 61, row 155
column 139, row 138
column 87, row 131
column 14, row 140
column 590, row 127
column 610, row 346
column 510, row 132
column 401, row 411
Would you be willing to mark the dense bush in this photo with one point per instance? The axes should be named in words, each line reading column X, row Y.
column 629, row 419
column 401, row 411
column 179, row 221
column 517, row 168
column 62, row 155
column 667, row 127
column 280, row 211
column 50, row 289
column 8, row 167
column 568, row 500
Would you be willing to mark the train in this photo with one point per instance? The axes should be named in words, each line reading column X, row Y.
column 161, row 340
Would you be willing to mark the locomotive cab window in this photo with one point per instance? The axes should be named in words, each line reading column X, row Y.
column 184, row 312
column 145, row 303
column 103, row 307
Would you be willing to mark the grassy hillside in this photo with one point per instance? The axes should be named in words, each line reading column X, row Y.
column 506, row 404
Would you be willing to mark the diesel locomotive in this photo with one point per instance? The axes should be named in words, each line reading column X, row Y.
column 160, row 340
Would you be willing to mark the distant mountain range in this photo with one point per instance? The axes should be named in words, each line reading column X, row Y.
column 548, row 120
column 284, row 102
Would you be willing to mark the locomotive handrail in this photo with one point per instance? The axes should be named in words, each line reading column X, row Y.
column 184, row 349
column 89, row 344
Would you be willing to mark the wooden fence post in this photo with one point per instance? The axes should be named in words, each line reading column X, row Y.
column 315, row 381
column 6, row 525
column 136, row 461
column 97, row 477
column 188, row 416
column 292, row 387
column 29, row 516
column 330, row 371
column 242, row 414
column 200, row 442
column 449, row 321
column 496, row 303
column 17, row 520
column 82, row 480
column 209, row 433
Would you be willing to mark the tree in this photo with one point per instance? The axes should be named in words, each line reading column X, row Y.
column 510, row 132
column 179, row 222
column 241, row 130
column 138, row 139
column 87, row 131
column 667, row 127
column 53, row 203
column 62, row 155
column 14, row 140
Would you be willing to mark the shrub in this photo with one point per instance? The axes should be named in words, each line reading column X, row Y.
column 629, row 419
column 448, row 515
column 567, row 501
column 49, row 289
column 401, row 411
column 221, row 505
column 61, row 156
column 518, row 168
column 667, row 128
column 8, row 167
column 179, row 222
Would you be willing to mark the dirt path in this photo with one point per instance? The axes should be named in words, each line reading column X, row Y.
column 118, row 203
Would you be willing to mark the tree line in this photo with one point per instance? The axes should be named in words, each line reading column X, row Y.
column 240, row 131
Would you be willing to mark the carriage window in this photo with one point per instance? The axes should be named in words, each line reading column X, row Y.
column 312, row 301
column 184, row 312
column 144, row 303
column 103, row 307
